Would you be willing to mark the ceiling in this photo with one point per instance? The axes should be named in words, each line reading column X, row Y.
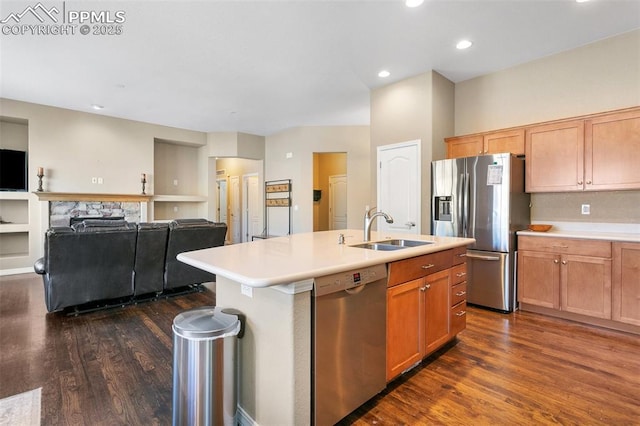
column 263, row 66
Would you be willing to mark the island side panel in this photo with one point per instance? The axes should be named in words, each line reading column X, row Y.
column 274, row 354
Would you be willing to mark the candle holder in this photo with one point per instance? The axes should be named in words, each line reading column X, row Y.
column 144, row 181
column 40, row 176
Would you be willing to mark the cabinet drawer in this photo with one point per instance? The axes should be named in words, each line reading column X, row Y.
column 459, row 255
column 459, row 274
column 458, row 318
column 458, row 293
column 579, row 247
column 420, row 266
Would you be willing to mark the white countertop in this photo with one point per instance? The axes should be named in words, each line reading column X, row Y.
column 623, row 232
column 297, row 257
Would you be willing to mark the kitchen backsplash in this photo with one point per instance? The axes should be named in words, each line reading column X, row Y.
column 605, row 207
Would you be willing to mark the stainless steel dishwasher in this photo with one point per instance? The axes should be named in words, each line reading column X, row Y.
column 348, row 341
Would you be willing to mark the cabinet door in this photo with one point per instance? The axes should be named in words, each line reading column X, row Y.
column 508, row 141
column 538, row 279
column 465, row 146
column 437, row 310
column 555, row 157
column 585, row 284
column 612, row 152
column 404, row 317
column 626, row 283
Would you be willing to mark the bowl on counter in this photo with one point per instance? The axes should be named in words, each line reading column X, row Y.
column 540, row 227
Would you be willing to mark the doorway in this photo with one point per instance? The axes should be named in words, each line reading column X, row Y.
column 251, row 207
column 399, row 186
column 329, row 203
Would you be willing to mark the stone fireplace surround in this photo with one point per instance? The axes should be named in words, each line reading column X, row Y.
column 64, row 206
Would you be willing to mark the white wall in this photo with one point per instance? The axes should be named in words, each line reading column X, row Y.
column 599, row 77
column 302, row 142
column 419, row 107
column 74, row 146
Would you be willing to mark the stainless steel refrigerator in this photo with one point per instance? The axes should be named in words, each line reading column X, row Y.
column 483, row 198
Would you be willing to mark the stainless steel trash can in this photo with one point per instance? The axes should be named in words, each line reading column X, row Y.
column 205, row 366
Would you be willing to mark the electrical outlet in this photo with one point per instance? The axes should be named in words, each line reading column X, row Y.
column 289, row 155
column 94, row 180
column 175, row 209
column 175, row 182
column 100, row 181
column 246, row 290
column 586, row 209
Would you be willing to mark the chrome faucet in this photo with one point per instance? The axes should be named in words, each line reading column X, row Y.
column 368, row 220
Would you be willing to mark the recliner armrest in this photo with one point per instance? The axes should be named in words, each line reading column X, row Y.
column 39, row 266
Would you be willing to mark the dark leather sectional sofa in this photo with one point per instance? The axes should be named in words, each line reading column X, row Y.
column 101, row 260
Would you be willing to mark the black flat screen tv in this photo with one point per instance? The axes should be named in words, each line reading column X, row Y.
column 13, row 170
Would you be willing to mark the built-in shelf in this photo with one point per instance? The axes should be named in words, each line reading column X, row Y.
column 12, row 195
column 8, row 228
column 75, row 196
column 179, row 198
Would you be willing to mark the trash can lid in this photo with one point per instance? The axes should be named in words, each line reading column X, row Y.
column 206, row 323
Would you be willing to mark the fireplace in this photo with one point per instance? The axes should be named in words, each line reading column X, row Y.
column 65, row 208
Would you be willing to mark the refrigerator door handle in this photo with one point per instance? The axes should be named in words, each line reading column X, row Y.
column 481, row 257
column 463, row 196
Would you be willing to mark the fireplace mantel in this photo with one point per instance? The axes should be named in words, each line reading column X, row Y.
column 75, row 196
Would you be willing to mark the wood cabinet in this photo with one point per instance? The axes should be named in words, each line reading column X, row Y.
column 426, row 306
column 592, row 154
column 612, row 151
column 555, row 157
column 487, row 143
column 570, row 275
column 626, row 283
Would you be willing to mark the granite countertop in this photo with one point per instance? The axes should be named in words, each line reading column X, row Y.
column 297, row 257
column 622, row 232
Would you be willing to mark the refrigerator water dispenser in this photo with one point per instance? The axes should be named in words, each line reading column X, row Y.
column 443, row 208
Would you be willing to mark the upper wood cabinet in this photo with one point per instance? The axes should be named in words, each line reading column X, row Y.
column 555, row 157
column 487, row 143
column 612, row 151
column 593, row 154
column 589, row 153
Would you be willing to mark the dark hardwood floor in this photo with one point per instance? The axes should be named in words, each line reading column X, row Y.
column 114, row 368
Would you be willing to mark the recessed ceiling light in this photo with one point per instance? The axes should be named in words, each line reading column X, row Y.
column 97, row 107
column 463, row 44
column 413, row 3
column 581, row 1
column 384, row 74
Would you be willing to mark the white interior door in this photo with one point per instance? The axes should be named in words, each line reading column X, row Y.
column 252, row 211
column 235, row 211
column 222, row 200
column 338, row 202
column 399, row 186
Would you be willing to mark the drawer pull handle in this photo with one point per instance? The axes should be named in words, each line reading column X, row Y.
column 562, row 246
column 428, row 286
column 461, row 313
column 462, row 255
column 461, row 293
column 431, row 265
column 461, row 274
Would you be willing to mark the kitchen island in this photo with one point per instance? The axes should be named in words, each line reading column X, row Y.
column 270, row 281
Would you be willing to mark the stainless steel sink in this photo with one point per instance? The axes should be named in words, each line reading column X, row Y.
column 378, row 246
column 405, row 243
column 388, row 245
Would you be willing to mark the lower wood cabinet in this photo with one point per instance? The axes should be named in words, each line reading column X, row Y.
column 626, row 283
column 571, row 275
column 426, row 312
